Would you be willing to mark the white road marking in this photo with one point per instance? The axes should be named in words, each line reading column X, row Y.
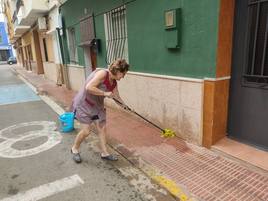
column 48, row 130
column 46, row 190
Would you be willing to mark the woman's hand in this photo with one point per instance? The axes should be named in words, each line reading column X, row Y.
column 108, row 94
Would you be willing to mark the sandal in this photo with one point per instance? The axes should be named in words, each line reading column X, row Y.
column 76, row 157
column 109, row 157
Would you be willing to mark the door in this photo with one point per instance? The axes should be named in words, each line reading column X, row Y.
column 87, row 36
column 29, row 57
column 90, row 60
column 93, row 58
column 39, row 61
column 248, row 106
column 22, row 56
column 26, row 58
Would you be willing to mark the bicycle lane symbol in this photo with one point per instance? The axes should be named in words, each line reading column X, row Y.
column 48, row 130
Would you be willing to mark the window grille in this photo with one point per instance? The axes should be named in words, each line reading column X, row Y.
column 72, row 46
column 116, row 34
column 257, row 53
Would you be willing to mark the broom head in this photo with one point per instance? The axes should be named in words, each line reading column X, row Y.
column 166, row 133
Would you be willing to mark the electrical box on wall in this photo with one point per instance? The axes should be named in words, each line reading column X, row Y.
column 42, row 24
column 173, row 28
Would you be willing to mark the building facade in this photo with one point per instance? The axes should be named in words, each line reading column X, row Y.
column 197, row 67
column 182, row 56
column 5, row 47
column 32, row 28
column 171, row 47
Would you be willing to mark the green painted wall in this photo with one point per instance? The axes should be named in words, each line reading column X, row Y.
column 146, row 34
column 73, row 10
column 197, row 55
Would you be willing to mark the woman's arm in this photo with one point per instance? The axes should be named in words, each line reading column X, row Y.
column 92, row 86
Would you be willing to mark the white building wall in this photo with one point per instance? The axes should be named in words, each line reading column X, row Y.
column 52, row 69
column 54, row 23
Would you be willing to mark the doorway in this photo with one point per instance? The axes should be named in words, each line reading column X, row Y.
column 248, row 103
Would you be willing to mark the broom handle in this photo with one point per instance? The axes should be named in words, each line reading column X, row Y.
column 128, row 108
column 148, row 121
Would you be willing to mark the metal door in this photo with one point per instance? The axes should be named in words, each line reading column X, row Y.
column 248, row 104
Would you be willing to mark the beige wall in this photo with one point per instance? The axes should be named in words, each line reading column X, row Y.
column 50, row 71
column 76, row 76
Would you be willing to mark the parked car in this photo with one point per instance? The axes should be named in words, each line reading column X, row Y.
column 12, row 60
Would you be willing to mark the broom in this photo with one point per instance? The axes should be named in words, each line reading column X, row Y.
column 164, row 132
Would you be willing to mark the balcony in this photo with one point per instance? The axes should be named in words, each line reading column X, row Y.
column 19, row 30
column 30, row 10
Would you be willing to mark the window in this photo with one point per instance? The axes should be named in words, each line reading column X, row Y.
column 116, row 34
column 257, row 53
column 72, row 46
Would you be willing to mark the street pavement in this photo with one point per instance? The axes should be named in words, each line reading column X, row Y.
column 189, row 172
column 35, row 159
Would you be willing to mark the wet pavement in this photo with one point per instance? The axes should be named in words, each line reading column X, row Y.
column 35, row 159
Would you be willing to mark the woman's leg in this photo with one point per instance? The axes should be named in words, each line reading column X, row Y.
column 102, row 134
column 84, row 132
column 101, row 127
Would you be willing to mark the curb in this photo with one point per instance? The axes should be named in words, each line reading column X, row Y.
column 179, row 192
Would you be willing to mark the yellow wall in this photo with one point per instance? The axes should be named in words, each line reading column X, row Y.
column 9, row 21
column 27, row 39
column 49, row 44
column 50, row 51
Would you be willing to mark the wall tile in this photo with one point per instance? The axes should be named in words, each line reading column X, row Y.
column 191, row 95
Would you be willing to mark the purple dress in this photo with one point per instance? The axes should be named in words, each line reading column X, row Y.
column 88, row 107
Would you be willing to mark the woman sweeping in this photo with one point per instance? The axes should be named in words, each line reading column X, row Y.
column 88, row 105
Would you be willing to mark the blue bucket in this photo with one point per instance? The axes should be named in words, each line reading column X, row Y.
column 66, row 122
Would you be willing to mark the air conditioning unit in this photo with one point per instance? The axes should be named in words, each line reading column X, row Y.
column 42, row 25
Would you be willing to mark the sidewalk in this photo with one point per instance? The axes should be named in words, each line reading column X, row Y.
column 189, row 172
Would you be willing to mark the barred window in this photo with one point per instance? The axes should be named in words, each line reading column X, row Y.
column 116, row 34
column 72, row 46
column 257, row 54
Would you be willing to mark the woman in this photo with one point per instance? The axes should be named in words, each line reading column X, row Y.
column 88, row 105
